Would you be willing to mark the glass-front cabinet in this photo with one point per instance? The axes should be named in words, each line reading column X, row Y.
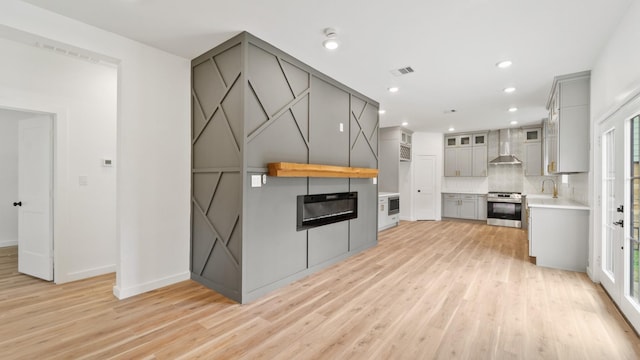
column 465, row 155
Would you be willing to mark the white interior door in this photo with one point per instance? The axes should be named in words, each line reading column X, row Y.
column 425, row 182
column 35, row 233
column 612, row 199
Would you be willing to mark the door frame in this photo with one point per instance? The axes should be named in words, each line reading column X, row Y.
column 59, row 151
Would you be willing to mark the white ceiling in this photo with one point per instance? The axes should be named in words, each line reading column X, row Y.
column 453, row 45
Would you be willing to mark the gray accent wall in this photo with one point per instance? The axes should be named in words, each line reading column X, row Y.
column 252, row 104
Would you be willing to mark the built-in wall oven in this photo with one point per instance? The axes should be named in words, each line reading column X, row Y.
column 504, row 209
column 394, row 204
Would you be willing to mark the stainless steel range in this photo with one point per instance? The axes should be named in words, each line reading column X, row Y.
column 504, row 209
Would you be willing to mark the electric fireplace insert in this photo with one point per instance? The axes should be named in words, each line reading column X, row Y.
column 322, row 209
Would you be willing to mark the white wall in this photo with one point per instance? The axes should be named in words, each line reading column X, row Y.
column 615, row 79
column 85, row 244
column 424, row 143
column 616, row 75
column 152, row 209
column 8, row 179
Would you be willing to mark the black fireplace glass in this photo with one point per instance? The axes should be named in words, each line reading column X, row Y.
column 322, row 209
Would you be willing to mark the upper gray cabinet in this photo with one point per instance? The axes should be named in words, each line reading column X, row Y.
column 395, row 146
column 567, row 129
column 533, row 151
column 465, row 155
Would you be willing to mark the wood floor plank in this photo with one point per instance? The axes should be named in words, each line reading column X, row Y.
column 429, row 290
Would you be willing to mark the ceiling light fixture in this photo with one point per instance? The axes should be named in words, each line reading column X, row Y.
column 381, row 111
column 331, row 42
column 451, row 129
column 513, row 109
column 509, row 89
column 513, row 122
column 404, row 123
column 504, row 64
column 393, row 89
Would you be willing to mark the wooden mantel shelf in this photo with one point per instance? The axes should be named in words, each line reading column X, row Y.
column 284, row 169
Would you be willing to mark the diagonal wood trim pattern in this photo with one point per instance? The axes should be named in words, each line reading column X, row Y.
column 285, row 169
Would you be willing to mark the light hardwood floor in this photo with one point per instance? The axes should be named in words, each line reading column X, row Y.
column 444, row 290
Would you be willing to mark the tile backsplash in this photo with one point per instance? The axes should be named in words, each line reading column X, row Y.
column 507, row 178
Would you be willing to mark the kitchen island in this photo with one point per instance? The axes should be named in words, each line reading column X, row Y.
column 558, row 232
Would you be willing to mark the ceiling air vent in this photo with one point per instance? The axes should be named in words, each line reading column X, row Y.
column 402, row 71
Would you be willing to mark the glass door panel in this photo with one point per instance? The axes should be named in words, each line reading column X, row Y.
column 634, row 191
column 609, row 202
column 612, row 197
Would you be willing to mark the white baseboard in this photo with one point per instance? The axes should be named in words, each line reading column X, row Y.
column 123, row 293
column 85, row 274
column 6, row 243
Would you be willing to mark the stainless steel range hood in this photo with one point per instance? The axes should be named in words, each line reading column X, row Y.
column 506, row 157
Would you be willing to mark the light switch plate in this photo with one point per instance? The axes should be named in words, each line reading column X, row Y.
column 375, row 181
column 256, row 181
column 341, row 127
column 83, row 180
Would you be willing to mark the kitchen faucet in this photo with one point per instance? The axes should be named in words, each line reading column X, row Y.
column 555, row 187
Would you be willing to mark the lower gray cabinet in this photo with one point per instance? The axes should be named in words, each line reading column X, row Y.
column 464, row 206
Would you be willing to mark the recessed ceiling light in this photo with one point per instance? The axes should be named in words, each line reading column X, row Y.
column 513, row 122
column 393, row 89
column 451, row 129
column 509, row 89
column 404, row 123
column 381, row 111
column 331, row 42
column 513, row 109
column 504, row 64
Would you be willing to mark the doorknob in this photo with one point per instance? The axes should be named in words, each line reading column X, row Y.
column 619, row 223
column 19, row 203
column 418, row 190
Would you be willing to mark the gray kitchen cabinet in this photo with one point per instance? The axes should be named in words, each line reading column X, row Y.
column 533, row 152
column 458, row 161
column 468, row 207
column 481, row 213
column 395, row 147
column 479, row 161
column 465, row 155
column 462, row 206
column 567, row 129
column 558, row 237
column 450, row 205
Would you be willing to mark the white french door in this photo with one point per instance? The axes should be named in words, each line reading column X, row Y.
column 612, row 200
column 620, row 212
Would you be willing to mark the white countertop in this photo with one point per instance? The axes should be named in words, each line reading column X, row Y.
column 388, row 194
column 546, row 201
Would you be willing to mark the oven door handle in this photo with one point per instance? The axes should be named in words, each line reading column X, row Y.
column 505, row 200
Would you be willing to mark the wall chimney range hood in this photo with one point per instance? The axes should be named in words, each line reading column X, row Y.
column 506, row 157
